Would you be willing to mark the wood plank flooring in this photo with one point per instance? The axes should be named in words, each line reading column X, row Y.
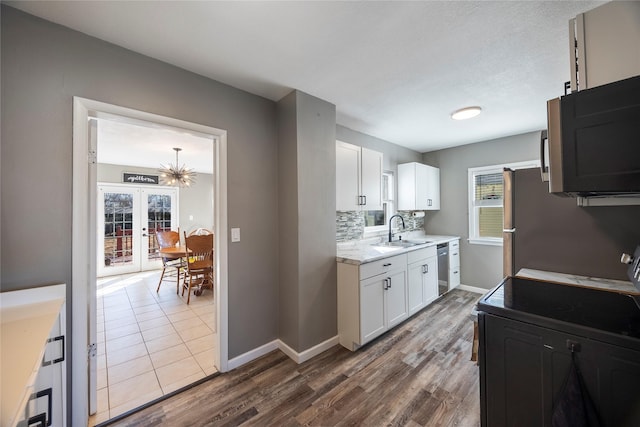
column 418, row 374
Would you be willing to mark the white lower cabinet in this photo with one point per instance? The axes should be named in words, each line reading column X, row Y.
column 383, row 304
column 422, row 278
column 33, row 357
column 372, row 298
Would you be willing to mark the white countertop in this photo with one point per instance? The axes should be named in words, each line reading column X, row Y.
column 620, row 286
column 27, row 318
column 364, row 251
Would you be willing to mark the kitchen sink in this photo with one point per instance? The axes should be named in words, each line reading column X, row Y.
column 418, row 242
column 398, row 244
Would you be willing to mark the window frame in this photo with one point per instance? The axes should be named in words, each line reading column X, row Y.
column 388, row 204
column 474, row 222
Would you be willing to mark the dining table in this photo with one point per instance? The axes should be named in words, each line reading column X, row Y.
column 175, row 252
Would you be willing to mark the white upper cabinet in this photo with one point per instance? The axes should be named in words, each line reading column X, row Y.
column 418, row 187
column 603, row 43
column 358, row 178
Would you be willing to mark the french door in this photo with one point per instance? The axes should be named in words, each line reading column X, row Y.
column 128, row 218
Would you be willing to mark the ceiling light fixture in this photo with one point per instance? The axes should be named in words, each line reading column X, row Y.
column 466, row 113
column 178, row 176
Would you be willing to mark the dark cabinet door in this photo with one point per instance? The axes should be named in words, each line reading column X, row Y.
column 523, row 368
column 512, row 372
column 600, row 150
column 619, row 386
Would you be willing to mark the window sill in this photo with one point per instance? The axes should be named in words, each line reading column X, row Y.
column 486, row 242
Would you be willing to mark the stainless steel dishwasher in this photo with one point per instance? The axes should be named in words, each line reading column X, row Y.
column 443, row 268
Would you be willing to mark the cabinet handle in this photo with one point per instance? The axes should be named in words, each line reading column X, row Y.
column 389, row 279
column 429, row 202
column 41, row 420
column 386, row 284
column 387, row 264
column 425, row 268
column 365, row 200
column 58, row 360
column 456, row 254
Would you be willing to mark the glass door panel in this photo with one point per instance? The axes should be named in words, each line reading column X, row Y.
column 160, row 215
column 118, row 219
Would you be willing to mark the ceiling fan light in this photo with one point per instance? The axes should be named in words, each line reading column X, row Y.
column 466, row 113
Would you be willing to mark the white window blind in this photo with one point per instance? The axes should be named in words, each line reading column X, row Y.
column 486, row 198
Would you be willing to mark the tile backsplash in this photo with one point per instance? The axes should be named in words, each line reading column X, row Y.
column 350, row 224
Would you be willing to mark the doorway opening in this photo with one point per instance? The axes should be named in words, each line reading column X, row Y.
column 125, row 267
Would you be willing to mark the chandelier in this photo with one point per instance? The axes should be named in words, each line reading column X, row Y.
column 178, row 176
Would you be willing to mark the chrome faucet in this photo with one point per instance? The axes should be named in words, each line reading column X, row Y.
column 391, row 220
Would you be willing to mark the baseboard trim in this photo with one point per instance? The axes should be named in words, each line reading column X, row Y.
column 251, row 355
column 473, row 289
column 310, row 352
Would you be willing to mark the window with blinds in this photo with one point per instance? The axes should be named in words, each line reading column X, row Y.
column 488, row 190
column 486, row 195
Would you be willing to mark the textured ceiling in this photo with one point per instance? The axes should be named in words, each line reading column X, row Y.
column 395, row 70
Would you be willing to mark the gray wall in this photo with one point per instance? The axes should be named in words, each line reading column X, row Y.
column 43, row 66
column 481, row 265
column 392, row 154
column 307, row 197
column 195, row 201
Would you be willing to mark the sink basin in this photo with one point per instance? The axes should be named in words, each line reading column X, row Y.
column 397, row 244
column 385, row 249
column 418, row 242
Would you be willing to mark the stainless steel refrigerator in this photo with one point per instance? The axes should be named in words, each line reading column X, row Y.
column 543, row 231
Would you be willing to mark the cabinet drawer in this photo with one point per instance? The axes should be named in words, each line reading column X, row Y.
column 454, row 254
column 421, row 254
column 454, row 277
column 382, row 266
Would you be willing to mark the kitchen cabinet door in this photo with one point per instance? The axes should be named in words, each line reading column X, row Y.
column 415, row 287
column 372, row 316
column 396, row 299
column 347, row 177
column 433, row 188
column 422, row 284
column 430, row 280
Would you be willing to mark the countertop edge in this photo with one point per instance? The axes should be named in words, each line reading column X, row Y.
column 435, row 240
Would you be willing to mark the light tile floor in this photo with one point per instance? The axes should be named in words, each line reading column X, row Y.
column 149, row 344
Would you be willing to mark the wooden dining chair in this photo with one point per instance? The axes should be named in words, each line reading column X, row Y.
column 175, row 265
column 199, row 263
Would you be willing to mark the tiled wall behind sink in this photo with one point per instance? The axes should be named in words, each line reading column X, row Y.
column 350, row 224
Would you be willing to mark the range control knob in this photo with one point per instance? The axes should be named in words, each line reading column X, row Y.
column 626, row 259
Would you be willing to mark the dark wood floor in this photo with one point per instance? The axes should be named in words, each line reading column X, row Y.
column 418, row 374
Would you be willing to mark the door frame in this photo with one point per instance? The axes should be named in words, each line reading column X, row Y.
column 83, row 251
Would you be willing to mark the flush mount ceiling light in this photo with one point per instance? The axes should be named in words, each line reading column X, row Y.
column 466, row 113
column 178, row 176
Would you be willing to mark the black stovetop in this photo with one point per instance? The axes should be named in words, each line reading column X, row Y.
column 602, row 310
